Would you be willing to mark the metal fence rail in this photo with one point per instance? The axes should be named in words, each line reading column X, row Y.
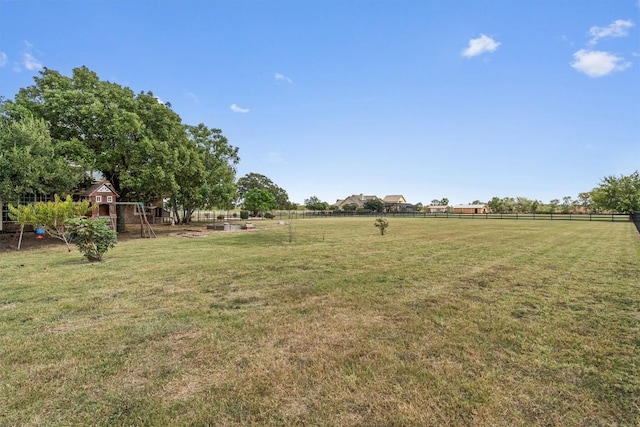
column 512, row 216
column 211, row 216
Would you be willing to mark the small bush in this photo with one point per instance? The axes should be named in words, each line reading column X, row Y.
column 244, row 214
column 269, row 215
column 382, row 224
column 235, row 215
column 93, row 237
column 220, row 217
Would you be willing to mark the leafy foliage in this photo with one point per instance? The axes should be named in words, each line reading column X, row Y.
column 108, row 128
column 620, row 194
column 315, row 204
column 381, row 224
column 373, row 205
column 258, row 181
column 139, row 144
column 259, row 200
column 207, row 180
column 93, row 237
column 29, row 161
column 52, row 216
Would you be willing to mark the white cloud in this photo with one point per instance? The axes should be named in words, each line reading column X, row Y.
column 618, row 28
column 282, row 78
column 595, row 63
column 29, row 61
column 3, row 59
column 237, row 109
column 480, row 45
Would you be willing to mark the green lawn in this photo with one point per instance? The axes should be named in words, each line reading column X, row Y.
column 438, row 322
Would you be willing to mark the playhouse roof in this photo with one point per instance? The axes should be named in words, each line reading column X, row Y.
column 103, row 186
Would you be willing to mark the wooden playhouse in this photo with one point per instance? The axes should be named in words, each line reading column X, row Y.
column 104, row 197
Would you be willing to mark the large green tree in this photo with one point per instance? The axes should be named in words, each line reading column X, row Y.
column 256, row 180
column 29, row 161
column 259, row 200
column 618, row 193
column 495, row 204
column 315, row 204
column 207, row 179
column 373, row 205
column 133, row 140
column 139, row 144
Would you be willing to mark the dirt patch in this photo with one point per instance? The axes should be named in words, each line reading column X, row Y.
column 9, row 241
column 192, row 233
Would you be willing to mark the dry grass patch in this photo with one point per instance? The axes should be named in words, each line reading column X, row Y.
column 438, row 322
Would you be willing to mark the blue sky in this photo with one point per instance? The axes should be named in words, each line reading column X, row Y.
column 429, row 99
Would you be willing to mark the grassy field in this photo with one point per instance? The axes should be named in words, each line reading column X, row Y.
column 439, row 322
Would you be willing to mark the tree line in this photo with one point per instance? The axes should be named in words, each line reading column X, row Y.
column 58, row 130
column 55, row 133
column 619, row 194
column 613, row 194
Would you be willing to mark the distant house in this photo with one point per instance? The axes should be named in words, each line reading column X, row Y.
column 356, row 199
column 471, row 209
column 397, row 203
column 438, row 209
column 394, row 199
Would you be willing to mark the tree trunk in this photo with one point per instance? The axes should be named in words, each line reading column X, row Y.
column 120, row 222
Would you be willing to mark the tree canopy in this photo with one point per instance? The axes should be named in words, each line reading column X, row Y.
column 207, row 179
column 29, row 161
column 136, row 142
column 618, row 193
column 256, row 180
column 133, row 140
column 315, row 204
column 259, row 200
column 373, row 205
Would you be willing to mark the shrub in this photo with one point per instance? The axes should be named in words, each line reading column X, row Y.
column 220, row 217
column 244, row 214
column 269, row 215
column 382, row 224
column 235, row 215
column 93, row 237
